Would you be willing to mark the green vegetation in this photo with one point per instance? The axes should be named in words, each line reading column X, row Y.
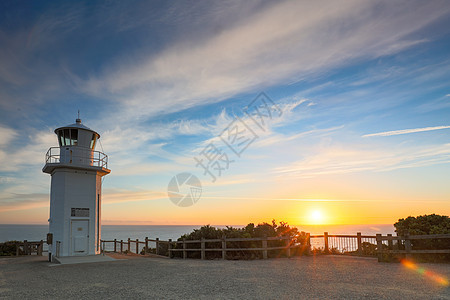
column 9, row 248
column 249, row 231
column 424, row 225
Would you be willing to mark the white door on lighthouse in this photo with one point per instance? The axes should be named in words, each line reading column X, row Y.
column 80, row 237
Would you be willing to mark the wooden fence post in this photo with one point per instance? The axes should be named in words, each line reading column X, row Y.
column 115, row 245
column 40, row 248
column 407, row 246
column 121, row 246
column 264, row 245
column 390, row 242
column 379, row 247
column 17, row 249
column 170, row 248
column 184, row 249
column 137, row 246
column 25, row 247
column 288, row 246
column 224, row 247
column 203, row 248
column 360, row 250
column 308, row 242
column 129, row 245
column 146, row 245
column 390, row 246
column 157, row 246
column 325, row 240
column 396, row 245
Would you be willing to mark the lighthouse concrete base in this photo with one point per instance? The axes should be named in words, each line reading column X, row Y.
column 70, row 260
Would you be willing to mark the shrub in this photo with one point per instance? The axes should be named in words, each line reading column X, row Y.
column 9, row 248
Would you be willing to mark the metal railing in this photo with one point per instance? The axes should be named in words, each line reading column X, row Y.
column 344, row 244
column 94, row 158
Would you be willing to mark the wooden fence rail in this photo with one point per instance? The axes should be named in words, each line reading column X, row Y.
column 406, row 241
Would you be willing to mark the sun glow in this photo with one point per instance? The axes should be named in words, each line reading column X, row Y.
column 426, row 273
column 316, row 217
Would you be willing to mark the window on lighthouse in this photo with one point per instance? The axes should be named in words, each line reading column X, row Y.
column 61, row 138
column 68, row 137
column 74, row 137
column 93, row 140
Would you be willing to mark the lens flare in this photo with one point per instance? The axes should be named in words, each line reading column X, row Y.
column 426, row 273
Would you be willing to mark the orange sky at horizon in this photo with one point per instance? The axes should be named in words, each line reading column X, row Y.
column 339, row 199
column 214, row 212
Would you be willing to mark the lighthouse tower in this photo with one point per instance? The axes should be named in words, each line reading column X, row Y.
column 76, row 189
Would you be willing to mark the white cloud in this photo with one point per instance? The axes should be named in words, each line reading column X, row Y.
column 280, row 139
column 341, row 159
column 31, row 153
column 284, row 42
column 7, row 135
column 405, row 131
column 111, row 196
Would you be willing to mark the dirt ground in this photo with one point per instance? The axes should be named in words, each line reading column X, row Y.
column 308, row 277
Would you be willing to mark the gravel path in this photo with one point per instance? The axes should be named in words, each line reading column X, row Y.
column 321, row 277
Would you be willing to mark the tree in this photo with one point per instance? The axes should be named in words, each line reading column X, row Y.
column 426, row 224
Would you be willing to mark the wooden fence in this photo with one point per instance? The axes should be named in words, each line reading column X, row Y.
column 359, row 245
column 404, row 245
column 337, row 244
column 126, row 246
column 120, row 246
column 288, row 245
column 362, row 245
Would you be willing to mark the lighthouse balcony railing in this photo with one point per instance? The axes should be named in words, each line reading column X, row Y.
column 78, row 156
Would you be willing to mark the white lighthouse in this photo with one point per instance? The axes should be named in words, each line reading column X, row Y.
column 76, row 191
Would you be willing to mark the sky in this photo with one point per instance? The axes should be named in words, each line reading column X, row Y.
column 343, row 107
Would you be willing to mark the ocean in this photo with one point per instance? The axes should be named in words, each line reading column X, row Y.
column 164, row 232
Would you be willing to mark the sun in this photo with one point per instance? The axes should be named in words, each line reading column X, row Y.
column 316, row 217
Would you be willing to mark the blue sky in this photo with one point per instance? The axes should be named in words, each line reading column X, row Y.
column 160, row 80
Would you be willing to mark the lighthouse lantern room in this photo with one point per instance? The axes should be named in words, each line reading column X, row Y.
column 76, row 171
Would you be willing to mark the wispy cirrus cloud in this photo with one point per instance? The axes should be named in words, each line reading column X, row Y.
column 344, row 159
column 406, row 131
column 11, row 202
column 271, row 45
